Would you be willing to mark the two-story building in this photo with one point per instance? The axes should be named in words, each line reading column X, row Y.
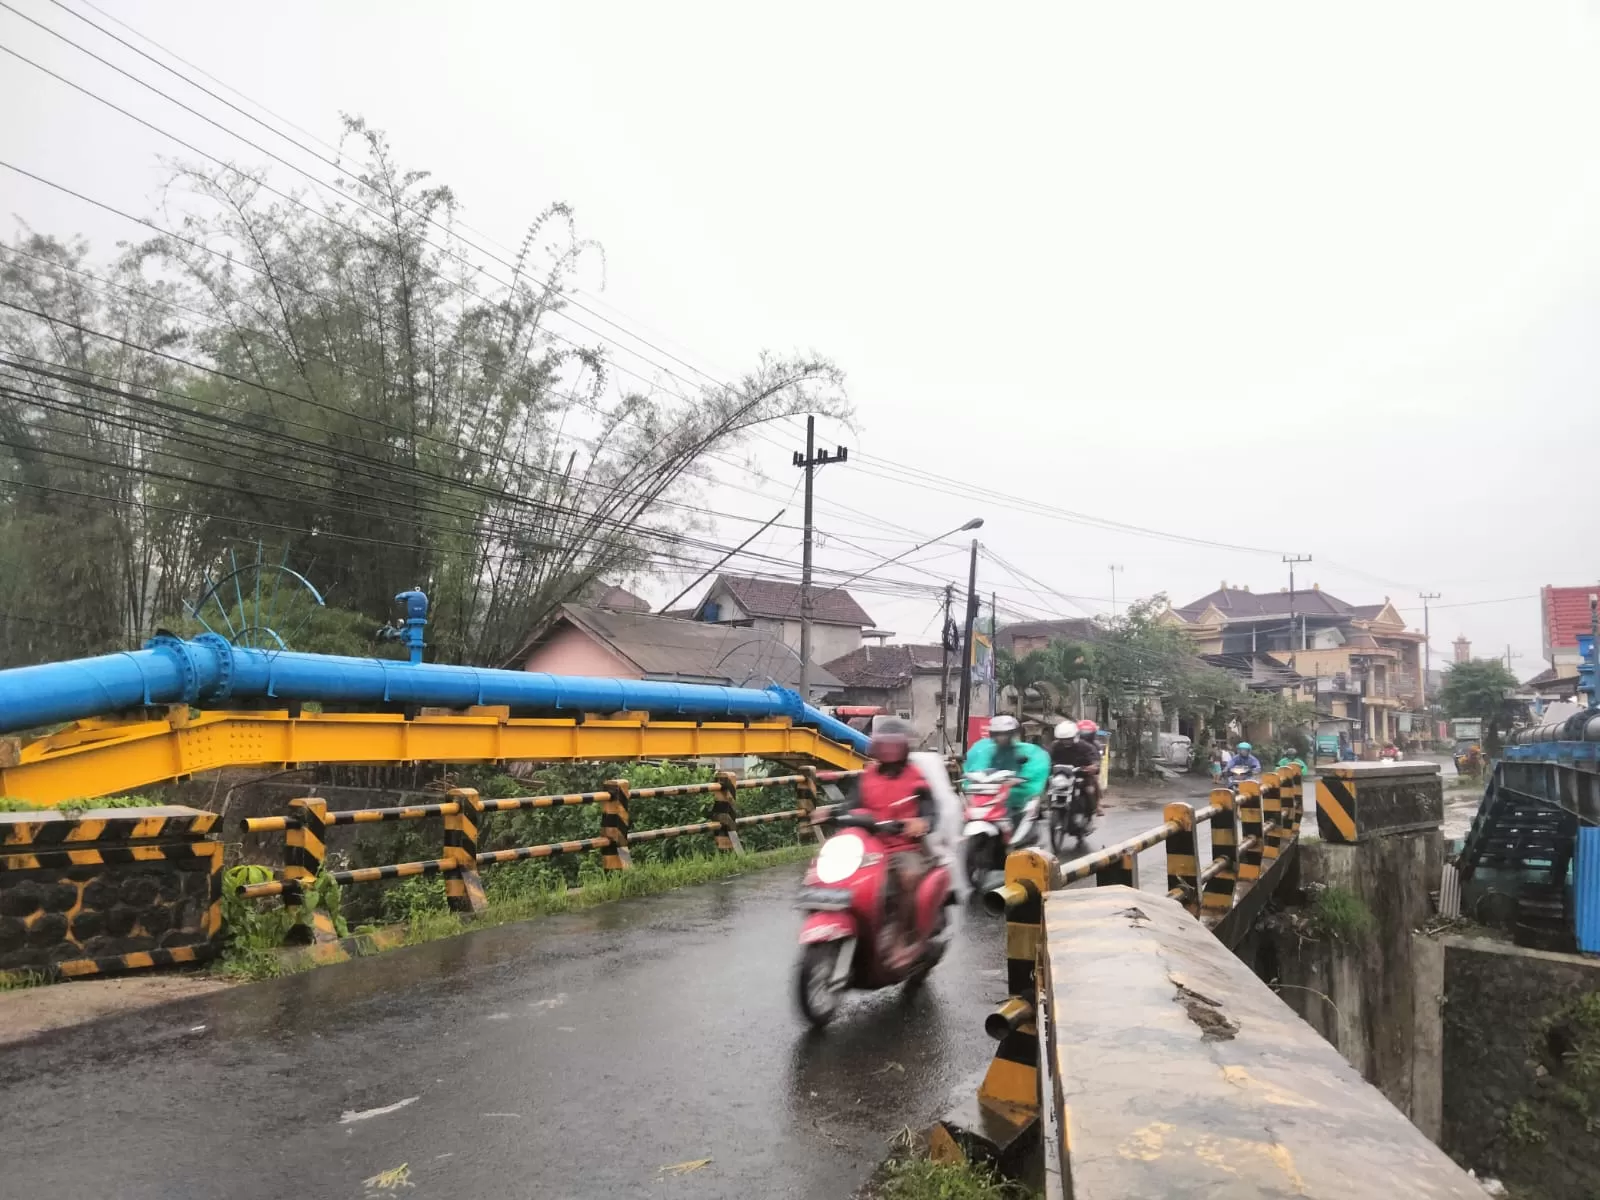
column 1364, row 664
column 772, row 606
column 903, row 679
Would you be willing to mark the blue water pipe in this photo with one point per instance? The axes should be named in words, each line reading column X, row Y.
column 209, row 672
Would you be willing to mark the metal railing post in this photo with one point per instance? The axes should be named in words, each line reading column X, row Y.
column 305, row 840
column 1123, row 870
column 1251, row 848
column 724, row 812
column 1296, row 808
column 463, row 888
column 615, row 826
column 305, row 849
column 805, row 792
column 1183, row 861
column 1271, row 818
column 1218, row 895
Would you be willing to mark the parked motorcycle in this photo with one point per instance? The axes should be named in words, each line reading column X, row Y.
column 1069, row 811
column 988, row 834
column 846, row 896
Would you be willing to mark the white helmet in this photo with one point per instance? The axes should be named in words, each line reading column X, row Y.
column 1067, row 730
column 1004, row 723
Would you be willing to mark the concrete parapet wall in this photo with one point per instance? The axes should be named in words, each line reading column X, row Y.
column 1181, row 1074
column 1518, row 1033
column 1356, row 986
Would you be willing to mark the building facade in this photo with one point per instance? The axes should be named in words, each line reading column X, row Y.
column 1366, row 667
column 772, row 606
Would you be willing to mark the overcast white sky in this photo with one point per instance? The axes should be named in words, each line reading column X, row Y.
column 1308, row 278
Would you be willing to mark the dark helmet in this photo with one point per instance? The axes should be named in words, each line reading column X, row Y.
column 891, row 741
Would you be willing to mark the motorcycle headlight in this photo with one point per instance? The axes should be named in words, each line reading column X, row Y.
column 840, row 858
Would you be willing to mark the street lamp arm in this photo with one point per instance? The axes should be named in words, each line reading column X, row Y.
column 975, row 523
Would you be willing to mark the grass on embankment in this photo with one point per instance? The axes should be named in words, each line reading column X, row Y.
column 247, row 962
column 915, row 1178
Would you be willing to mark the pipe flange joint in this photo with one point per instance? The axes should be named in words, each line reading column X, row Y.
column 182, row 654
column 223, row 651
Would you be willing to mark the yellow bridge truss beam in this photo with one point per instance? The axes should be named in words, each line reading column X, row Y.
column 103, row 757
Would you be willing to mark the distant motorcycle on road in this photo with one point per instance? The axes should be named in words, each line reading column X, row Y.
column 1069, row 809
column 988, row 834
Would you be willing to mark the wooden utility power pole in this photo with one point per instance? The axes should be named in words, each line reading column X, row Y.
column 1427, row 649
column 1291, row 559
column 809, row 462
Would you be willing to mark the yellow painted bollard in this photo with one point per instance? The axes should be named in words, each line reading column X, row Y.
column 1217, row 898
column 615, row 826
column 1271, row 817
column 1123, row 870
column 1252, row 847
column 806, row 801
column 724, row 813
column 1183, row 862
column 304, row 850
column 463, row 888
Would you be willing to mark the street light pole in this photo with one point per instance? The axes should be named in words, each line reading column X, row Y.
column 965, row 709
column 944, row 672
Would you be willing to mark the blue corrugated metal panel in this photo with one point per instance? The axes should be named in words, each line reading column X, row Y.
column 1586, row 890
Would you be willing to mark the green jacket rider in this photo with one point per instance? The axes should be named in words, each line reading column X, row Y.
column 1004, row 750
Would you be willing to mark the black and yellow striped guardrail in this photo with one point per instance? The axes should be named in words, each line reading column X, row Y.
column 63, row 875
column 463, row 812
column 1252, row 835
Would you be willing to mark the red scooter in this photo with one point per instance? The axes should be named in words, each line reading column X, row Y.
column 845, row 897
column 988, row 835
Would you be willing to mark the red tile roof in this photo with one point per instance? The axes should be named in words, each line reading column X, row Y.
column 890, row 666
column 1565, row 614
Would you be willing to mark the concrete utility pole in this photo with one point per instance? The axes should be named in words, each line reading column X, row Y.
column 1427, row 645
column 964, row 710
column 1114, row 568
column 1291, row 559
column 946, row 637
column 809, row 462
column 994, row 664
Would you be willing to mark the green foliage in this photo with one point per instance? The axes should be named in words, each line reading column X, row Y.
column 1521, row 1128
column 1480, row 688
column 12, row 981
column 253, row 930
column 302, row 624
column 1339, row 914
column 389, row 416
column 922, row 1179
column 80, row 804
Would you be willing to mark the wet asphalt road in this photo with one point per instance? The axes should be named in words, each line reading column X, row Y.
column 573, row 1056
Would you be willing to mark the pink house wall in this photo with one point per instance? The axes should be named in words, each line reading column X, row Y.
column 570, row 651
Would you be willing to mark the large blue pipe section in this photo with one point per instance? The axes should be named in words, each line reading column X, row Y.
column 209, row 672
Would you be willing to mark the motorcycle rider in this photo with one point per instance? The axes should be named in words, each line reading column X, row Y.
column 891, row 788
column 1004, row 750
column 1243, row 758
column 1075, row 746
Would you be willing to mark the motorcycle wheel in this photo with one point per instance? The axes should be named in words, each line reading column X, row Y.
column 1061, row 839
column 814, row 986
column 931, row 954
column 977, row 862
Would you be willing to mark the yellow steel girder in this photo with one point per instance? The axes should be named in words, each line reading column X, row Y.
column 101, row 758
